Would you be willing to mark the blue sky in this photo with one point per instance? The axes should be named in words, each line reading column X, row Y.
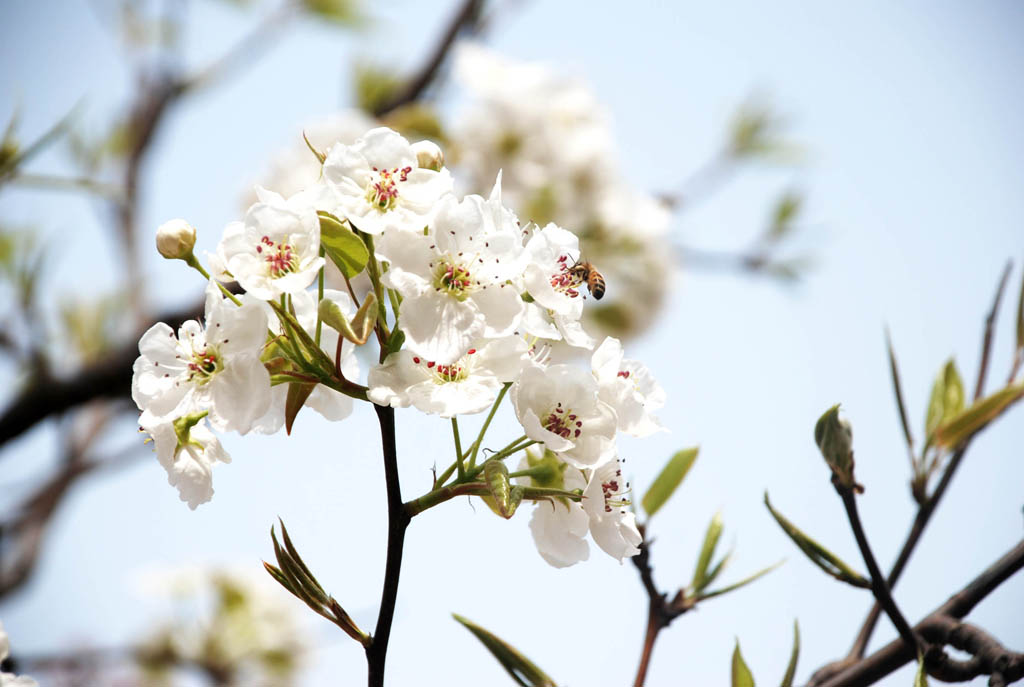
column 910, row 115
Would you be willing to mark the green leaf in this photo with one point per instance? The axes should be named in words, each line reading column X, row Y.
column 741, row 676
column 668, row 480
column 359, row 329
column 786, row 209
column 298, row 392
column 964, row 425
column 920, row 677
column 522, row 669
column 707, row 551
column 343, row 247
column 787, row 679
column 894, row 370
column 742, row 583
column 819, row 555
column 947, row 399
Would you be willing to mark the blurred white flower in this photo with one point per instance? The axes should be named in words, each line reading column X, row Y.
column 216, row 368
column 10, row 679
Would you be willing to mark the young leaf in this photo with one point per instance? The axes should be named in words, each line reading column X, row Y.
column 741, row 676
column 298, row 392
column 668, row 480
column 947, row 399
column 736, row 585
column 522, row 670
column 920, row 677
column 707, row 551
column 359, row 329
column 898, row 389
column 343, row 247
column 818, row 554
column 787, row 679
column 961, row 427
column 496, row 477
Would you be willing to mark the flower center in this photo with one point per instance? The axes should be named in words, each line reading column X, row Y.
column 383, row 193
column 453, row 278
column 566, row 279
column 443, row 374
column 564, row 423
column 611, row 489
column 204, row 365
column 281, row 258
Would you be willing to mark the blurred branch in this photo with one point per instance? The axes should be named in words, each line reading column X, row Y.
column 940, row 627
column 924, row 512
column 56, row 183
column 466, row 21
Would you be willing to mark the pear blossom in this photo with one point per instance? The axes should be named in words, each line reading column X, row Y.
column 457, row 278
column 215, row 368
column 612, row 524
column 629, row 388
column 559, row 407
column 559, row 531
column 175, row 239
column 376, row 183
column 10, row 679
column 332, row 405
column 188, row 459
column 466, row 386
column 275, row 250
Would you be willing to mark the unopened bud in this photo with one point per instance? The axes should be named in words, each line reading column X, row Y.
column 834, row 437
column 175, row 239
column 428, row 155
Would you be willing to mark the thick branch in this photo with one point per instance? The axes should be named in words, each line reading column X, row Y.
column 894, row 655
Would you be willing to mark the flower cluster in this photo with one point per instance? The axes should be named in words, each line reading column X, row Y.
column 466, row 302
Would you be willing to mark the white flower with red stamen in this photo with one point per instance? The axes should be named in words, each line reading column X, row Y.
column 629, row 388
column 275, row 250
column 188, row 459
column 376, row 185
column 612, row 524
column 559, row 526
column 10, row 679
column 559, row 407
column 458, row 280
column 545, row 324
column 469, row 385
column 215, row 368
column 550, row 255
column 332, row 405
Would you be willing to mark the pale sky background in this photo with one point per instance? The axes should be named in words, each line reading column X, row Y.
column 911, row 115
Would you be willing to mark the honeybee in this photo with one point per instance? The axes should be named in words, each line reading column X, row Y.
column 586, row 271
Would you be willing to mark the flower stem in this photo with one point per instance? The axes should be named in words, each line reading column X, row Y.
column 458, row 449
column 194, row 263
column 398, row 521
column 487, row 423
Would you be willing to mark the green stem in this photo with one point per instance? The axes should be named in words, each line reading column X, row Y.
column 320, row 297
column 373, row 269
column 194, row 263
column 458, row 449
column 487, row 423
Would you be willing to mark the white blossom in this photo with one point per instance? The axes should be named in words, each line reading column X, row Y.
column 457, row 280
column 275, row 250
column 175, row 239
column 629, row 388
column 559, row 407
column 612, row 524
column 376, row 183
column 189, row 465
column 469, row 385
column 215, row 368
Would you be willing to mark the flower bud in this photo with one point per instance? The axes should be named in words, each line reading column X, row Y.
column 834, row 437
column 428, row 155
column 175, row 239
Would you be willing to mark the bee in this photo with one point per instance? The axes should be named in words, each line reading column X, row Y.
column 585, row 271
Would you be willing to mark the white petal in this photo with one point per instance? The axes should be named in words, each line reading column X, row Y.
column 558, row 531
column 502, row 308
column 241, row 394
column 439, row 327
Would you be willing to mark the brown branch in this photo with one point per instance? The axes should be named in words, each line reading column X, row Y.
column 925, row 511
column 897, row 653
column 465, row 21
